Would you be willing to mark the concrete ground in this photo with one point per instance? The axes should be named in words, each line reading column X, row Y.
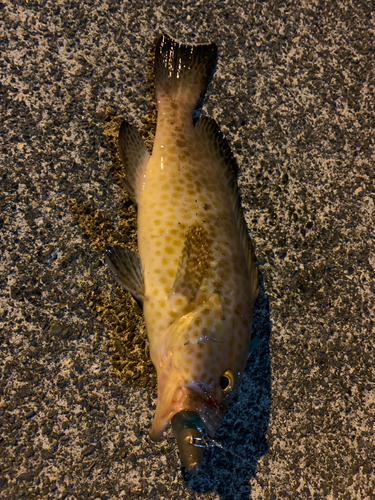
column 294, row 94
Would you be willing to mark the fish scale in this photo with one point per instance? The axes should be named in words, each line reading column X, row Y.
column 195, row 272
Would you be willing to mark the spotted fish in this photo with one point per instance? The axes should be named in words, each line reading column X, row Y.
column 195, row 273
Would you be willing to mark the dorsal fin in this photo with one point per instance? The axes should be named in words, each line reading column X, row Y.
column 134, row 156
column 220, row 150
column 222, row 155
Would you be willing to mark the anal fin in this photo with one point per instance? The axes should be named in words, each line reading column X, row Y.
column 134, row 156
column 127, row 268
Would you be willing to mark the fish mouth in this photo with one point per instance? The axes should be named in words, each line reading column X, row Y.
column 191, row 425
column 190, row 430
column 191, row 398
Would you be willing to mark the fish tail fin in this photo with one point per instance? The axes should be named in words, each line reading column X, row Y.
column 182, row 72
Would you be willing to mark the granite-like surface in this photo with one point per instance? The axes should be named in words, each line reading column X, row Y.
column 294, row 94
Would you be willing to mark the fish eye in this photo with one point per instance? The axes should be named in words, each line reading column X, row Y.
column 227, row 381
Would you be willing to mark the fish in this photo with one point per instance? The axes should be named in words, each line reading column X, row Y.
column 196, row 273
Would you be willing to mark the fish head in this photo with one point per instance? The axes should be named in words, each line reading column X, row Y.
column 201, row 368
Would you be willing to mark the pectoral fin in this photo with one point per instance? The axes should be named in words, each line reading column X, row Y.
column 127, row 268
column 193, row 263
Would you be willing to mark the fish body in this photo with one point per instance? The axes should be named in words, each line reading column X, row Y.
column 195, row 273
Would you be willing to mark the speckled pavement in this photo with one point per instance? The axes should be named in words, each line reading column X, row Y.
column 294, row 94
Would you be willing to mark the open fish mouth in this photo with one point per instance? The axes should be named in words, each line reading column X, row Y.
column 192, row 398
